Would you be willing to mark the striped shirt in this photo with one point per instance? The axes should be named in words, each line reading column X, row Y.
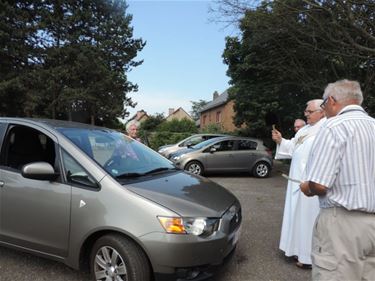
column 342, row 159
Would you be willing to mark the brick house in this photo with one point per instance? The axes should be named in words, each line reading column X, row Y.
column 178, row 114
column 219, row 111
column 137, row 118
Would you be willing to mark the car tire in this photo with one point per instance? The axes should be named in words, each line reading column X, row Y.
column 115, row 257
column 194, row 167
column 261, row 169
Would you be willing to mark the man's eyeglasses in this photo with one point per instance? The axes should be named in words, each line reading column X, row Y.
column 311, row 111
column 323, row 105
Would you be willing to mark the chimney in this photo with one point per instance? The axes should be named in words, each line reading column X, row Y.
column 215, row 95
column 170, row 111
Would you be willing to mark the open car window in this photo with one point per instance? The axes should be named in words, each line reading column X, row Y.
column 24, row 145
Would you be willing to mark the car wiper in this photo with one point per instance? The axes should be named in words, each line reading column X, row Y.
column 129, row 175
column 135, row 175
column 159, row 170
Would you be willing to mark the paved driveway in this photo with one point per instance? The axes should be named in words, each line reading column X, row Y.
column 257, row 257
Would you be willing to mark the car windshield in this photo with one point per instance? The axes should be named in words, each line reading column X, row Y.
column 118, row 154
column 204, row 143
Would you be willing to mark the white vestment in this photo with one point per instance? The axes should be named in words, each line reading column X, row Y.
column 300, row 211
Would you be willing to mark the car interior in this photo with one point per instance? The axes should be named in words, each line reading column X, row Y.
column 25, row 145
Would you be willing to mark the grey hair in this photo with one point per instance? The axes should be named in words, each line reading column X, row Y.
column 131, row 123
column 344, row 90
column 316, row 103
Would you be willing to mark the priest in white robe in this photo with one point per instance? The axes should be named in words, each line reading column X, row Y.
column 300, row 211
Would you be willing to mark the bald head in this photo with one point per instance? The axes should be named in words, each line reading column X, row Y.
column 298, row 124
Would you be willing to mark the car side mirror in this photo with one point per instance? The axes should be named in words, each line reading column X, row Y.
column 189, row 144
column 39, row 171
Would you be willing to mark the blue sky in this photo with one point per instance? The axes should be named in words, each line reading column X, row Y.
column 182, row 57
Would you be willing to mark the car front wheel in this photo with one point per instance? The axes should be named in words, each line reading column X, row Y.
column 261, row 170
column 194, row 167
column 115, row 257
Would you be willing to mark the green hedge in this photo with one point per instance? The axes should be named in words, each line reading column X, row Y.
column 157, row 139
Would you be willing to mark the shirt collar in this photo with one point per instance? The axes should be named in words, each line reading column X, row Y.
column 351, row 107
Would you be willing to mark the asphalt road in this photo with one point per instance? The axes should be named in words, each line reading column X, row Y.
column 257, row 257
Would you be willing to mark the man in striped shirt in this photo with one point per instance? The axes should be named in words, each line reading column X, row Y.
column 341, row 171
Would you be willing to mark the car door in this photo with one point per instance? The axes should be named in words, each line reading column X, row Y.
column 222, row 158
column 244, row 154
column 35, row 214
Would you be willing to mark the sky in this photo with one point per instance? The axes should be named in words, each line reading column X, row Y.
column 182, row 57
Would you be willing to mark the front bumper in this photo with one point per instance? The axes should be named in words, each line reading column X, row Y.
column 181, row 257
column 203, row 272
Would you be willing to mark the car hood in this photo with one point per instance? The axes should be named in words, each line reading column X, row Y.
column 182, row 151
column 165, row 146
column 186, row 194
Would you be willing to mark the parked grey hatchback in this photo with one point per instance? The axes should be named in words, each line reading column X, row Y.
column 168, row 149
column 91, row 197
column 226, row 154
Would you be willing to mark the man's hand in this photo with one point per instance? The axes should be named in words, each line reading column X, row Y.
column 276, row 136
column 305, row 188
column 310, row 188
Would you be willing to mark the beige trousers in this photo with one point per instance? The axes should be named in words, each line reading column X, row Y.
column 343, row 245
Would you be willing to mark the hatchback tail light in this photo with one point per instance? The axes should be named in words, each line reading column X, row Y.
column 269, row 151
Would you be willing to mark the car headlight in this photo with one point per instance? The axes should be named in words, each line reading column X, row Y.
column 197, row 226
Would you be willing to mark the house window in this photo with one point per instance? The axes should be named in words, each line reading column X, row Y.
column 218, row 116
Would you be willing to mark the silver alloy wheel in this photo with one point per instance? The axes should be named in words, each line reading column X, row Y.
column 109, row 265
column 195, row 168
column 262, row 170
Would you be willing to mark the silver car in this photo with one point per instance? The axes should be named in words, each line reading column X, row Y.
column 93, row 198
column 226, row 154
column 168, row 149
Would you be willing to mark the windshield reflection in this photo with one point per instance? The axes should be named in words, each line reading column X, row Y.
column 204, row 143
column 118, row 154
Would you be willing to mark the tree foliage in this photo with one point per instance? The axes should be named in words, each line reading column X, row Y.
column 62, row 59
column 289, row 50
column 214, row 128
column 178, row 126
column 196, row 107
column 152, row 122
column 160, row 132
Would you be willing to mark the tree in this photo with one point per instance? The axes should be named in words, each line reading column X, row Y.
column 77, row 56
column 178, row 126
column 153, row 122
column 99, row 49
column 196, row 107
column 18, row 25
column 167, row 132
column 288, row 52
